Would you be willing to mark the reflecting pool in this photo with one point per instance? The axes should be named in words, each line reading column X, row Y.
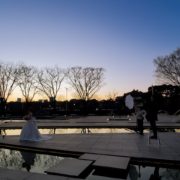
column 27, row 161
column 34, row 162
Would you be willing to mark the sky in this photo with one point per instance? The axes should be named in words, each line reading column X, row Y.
column 122, row 36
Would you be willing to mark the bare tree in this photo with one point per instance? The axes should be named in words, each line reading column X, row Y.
column 85, row 81
column 8, row 79
column 50, row 80
column 168, row 68
column 27, row 82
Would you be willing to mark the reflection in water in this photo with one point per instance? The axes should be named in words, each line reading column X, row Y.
column 152, row 173
column 39, row 163
column 24, row 161
column 28, row 158
column 171, row 174
column 133, row 174
column 155, row 175
column 72, row 131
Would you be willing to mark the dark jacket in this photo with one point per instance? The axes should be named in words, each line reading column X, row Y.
column 151, row 111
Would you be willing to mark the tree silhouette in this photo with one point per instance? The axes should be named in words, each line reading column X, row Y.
column 8, row 80
column 50, row 80
column 27, row 82
column 168, row 68
column 85, row 81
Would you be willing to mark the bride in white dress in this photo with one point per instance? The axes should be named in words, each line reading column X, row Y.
column 30, row 130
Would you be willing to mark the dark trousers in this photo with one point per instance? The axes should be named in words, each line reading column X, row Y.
column 140, row 127
column 153, row 127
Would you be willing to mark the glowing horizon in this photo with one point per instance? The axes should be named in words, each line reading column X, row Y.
column 123, row 36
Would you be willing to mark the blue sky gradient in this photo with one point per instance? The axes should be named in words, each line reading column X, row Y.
column 122, row 36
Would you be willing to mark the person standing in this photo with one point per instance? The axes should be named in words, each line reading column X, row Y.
column 151, row 116
column 140, row 116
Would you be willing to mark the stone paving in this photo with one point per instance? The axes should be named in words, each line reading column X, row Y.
column 128, row 145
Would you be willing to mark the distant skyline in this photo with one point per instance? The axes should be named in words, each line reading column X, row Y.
column 122, row 36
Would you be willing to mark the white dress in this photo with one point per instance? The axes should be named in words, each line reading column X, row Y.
column 30, row 132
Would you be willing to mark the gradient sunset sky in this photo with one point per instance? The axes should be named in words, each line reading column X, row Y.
column 122, row 36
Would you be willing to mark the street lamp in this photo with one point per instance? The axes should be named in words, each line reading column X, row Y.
column 66, row 102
